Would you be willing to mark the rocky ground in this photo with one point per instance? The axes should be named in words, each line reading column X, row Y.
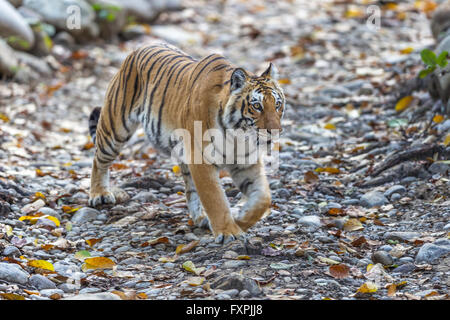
column 361, row 199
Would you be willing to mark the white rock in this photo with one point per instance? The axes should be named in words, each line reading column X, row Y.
column 13, row 25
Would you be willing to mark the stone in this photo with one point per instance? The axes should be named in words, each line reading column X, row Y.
column 231, row 264
column 176, row 35
column 310, row 221
column 85, row 214
column 11, row 251
column 9, row 63
column 430, row 253
column 148, row 10
column 40, row 282
column 12, row 272
column 14, row 27
column 237, row 281
column 144, row 196
column 401, row 235
column 439, row 167
column 382, row 257
column 394, row 189
column 62, row 15
column 405, row 268
column 373, row 199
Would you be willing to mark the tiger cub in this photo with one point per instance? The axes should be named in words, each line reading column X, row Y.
column 164, row 89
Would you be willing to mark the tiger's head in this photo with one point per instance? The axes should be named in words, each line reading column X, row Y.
column 255, row 102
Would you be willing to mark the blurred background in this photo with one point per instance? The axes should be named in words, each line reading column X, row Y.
column 365, row 145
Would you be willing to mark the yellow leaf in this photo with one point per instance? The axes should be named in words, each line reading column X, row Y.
column 176, row 169
column 195, row 281
column 42, row 264
column 190, row 266
column 4, row 117
column 354, row 13
column 243, row 257
column 97, row 263
column 142, row 295
column 39, row 195
column 12, row 296
column 51, row 218
column 167, row 259
column 353, row 224
column 284, row 81
column 9, row 230
column 407, row 50
column 438, row 118
column 93, row 241
column 403, row 103
column 368, row 287
column 69, row 209
column 392, row 289
column 328, row 169
column 447, row 140
column 330, row 126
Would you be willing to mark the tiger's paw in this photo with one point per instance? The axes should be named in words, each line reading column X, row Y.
column 231, row 234
column 99, row 198
column 116, row 195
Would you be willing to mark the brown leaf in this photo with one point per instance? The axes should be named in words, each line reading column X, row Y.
column 310, row 177
column 339, row 271
column 182, row 248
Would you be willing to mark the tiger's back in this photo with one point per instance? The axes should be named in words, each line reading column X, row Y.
column 159, row 86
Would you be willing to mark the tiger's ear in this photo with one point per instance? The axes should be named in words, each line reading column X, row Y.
column 271, row 72
column 238, row 78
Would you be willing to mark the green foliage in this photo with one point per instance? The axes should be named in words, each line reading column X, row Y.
column 13, row 40
column 106, row 11
column 432, row 61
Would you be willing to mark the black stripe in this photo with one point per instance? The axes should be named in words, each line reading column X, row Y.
column 179, row 72
column 169, row 74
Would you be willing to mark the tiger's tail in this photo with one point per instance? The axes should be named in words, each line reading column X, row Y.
column 93, row 121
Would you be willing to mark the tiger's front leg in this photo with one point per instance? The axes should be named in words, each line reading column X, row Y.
column 252, row 182
column 215, row 203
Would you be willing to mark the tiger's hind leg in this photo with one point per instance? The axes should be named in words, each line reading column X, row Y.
column 111, row 134
column 194, row 204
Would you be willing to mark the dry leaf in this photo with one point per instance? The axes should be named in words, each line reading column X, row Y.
column 353, row 224
column 438, row 118
column 97, row 263
column 368, row 287
column 403, row 103
column 12, row 296
column 310, row 177
column 195, row 281
column 42, row 264
column 339, row 271
column 329, row 170
column 93, row 241
column 330, row 126
column 182, row 248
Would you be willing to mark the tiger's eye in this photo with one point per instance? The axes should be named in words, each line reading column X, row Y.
column 257, row 106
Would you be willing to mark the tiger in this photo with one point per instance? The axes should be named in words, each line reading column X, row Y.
column 162, row 88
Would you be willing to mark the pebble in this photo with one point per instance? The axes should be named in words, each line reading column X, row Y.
column 40, row 282
column 84, row 215
column 11, row 251
column 68, row 287
column 394, row 189
column 373, row 199
column 430, row 253
column 94, row 296
column 232, row 292
column 49, row 292
column 12, row 272
column 244, row 294
column 382, row 257
column 405, row 268
column 231, row 264
column 144, row 196
column 401, row 235
column 310, row 221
